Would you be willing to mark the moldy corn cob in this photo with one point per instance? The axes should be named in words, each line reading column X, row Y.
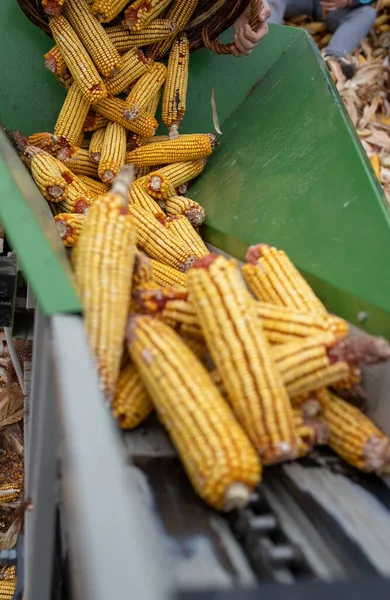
column 70, row 121
column 93, row 37
column 216, row 454
column 69, row 227
column 78, row 60
column 113, row 152
column 175, row 89
column 243, row 357
column 103, row 262
column 179, row 205
column 185, row 148
column 353, row 436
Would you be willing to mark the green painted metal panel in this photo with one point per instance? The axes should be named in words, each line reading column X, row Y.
column 31, row 230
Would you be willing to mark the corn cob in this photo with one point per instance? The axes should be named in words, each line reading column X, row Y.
column 150, row 301
column 142, row 12
column 180, row 315
column 93, row 37
column 323, row 377
column 142, row 271
column 48, row 142
column 242, row 355
column 53, row 8
column 95, row 121
column 175, row 89
column 158, row 242
column 51, row 177
column 361, row 350
column 142, row 172
column 7, row 589
column 183, row 230
column 144, row 91
column 103, row 264
column 69, row 227
column 106, row 10
column 180, row 12
column 166, row 275
column 154, row 104
column 80, row 163
column 191, row 148
column 70, row 122
column 113, row 109
column 139, row 197
column 98, row 188
column 178, row 205
column 182, row 172
column 218, row 458
column 8, row 492
column 95, row 146
column 8, row 573
column 156, row 139
column 55, row 62
column 113, row 152
column 134, row 65
column 124, row 40
column 271, row 274
column 353, row 436
column 158, row 186
column 78, row 199
column 78, row 61
column 131, row 404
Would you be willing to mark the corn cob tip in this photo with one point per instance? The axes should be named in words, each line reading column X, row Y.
column 122, row 182
column 52, row 8
column 254, row 253
column 237, row 495
column 173, row 132
column 55, row 191
column 20, row 141
column 205, row 261
column 376, row 454
column 214, row 140
column 322, row 430
column 311, row 408
column 196, row 216
column 362, row 350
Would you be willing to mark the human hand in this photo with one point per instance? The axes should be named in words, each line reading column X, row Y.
column 330, row 5
column 245, row 39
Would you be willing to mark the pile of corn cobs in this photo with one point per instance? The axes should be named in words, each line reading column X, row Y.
column 366, row 95
column 238, row 381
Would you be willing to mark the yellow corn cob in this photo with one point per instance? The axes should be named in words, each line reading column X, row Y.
column 95, row 121
column 180, row 315
column 158, row 242
column 156, row 31
column 78, row 61
column 175, row 89
column 93, row 37
column 323, row 377
column 113, row 152
column 183, row 230
column 218, row 458
column 134, row 65
column 273, row 278
column 191, row 148
column 50, row 175
column 98, row 188
column 7, row 589
column 8, row 492
column 353, row 436
column 142, row 12
column 144, row 90
column 55, row 62
column 182, row 172
column 152, row 106
column 69, row 227
column 103, row 264
column 48, row 142
column 8, row 573
column 158, row 186
column 142, row 271
column 53, row 8
column 139, row 197
column 156, row 139
column 166, row 275
column 106, row 10
column 180, row 12
column 95, row 146
column 131, row 404
column 80, row 163
column 285, row 352
column 113, row 109
column 243, row 357
column 78, row 199
column 179, row 205
column 142, row 171
column 70, row 122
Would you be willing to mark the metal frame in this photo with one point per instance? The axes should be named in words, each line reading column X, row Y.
column 112, row 540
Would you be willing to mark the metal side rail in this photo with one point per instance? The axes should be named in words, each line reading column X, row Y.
column 111, row 537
